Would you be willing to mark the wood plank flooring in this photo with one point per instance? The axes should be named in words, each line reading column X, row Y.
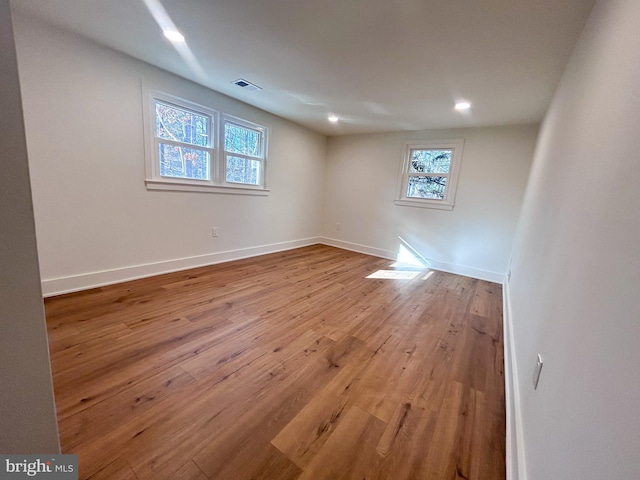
column 293, row 365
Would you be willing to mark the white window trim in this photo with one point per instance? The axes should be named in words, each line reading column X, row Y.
column 264, row 131
column 216, row 183
column 448, row 202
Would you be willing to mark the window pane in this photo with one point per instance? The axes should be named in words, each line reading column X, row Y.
column 183, row 162
column 430, row 161
column 242, row 140
column 243, row 170
column 173, row 123
column 426, row 187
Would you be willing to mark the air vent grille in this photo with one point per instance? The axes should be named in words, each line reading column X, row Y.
column 241, row 82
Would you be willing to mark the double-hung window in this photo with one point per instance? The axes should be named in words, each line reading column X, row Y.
column 244, row 149
column 189, row 149
column 183, row 141
column 429, row 174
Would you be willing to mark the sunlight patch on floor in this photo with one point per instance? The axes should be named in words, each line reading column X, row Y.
column 401, row 274
column 409, row 265
column 395, row 274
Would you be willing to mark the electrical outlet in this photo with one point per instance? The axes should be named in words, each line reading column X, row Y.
column 337, row 226
column 215, row 232
column 536, row 371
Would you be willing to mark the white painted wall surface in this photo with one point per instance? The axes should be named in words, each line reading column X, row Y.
column 474, row 239
column 27, row 411
column 95, row 220
column 575, row 287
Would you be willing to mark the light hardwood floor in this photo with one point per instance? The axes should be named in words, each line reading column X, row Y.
column 292, row 365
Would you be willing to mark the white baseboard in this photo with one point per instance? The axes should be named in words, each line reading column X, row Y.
column 515, row 442
column 74, row 283
column 356, row 247
column 489, row 276
column 85, row 281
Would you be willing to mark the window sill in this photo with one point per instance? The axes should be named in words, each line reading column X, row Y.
column 189, row 187
column 424, row 204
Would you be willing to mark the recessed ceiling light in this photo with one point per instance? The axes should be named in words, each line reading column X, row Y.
column 463, row 106
column 333, row 119
column 174, row 36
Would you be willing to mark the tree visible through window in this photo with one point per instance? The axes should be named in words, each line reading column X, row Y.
column 429, row 172
column 190, row 147
column 183, row 142
column 243, row 151
column 427, row 165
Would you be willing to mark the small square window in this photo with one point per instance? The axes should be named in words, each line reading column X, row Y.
column 429, row 174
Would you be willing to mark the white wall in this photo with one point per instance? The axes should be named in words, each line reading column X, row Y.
column 575, row 288
column 27, row 411
column 474, row 239
column 95, row 220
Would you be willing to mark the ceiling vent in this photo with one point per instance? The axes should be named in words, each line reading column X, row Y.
column 241, row 82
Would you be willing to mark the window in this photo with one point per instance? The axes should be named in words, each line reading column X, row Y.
column 183, row 142
column 429, row 174
column 182, row 151
column 243, row 151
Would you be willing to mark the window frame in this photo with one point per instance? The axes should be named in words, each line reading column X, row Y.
column 448, row 202
column 262, row 158
column 217, row 160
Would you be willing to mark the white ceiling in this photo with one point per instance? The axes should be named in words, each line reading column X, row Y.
column 380, row 65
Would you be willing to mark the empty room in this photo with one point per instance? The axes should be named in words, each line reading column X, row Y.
column 320, row 240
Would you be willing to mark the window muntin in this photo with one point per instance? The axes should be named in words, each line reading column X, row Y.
column 429, row 172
